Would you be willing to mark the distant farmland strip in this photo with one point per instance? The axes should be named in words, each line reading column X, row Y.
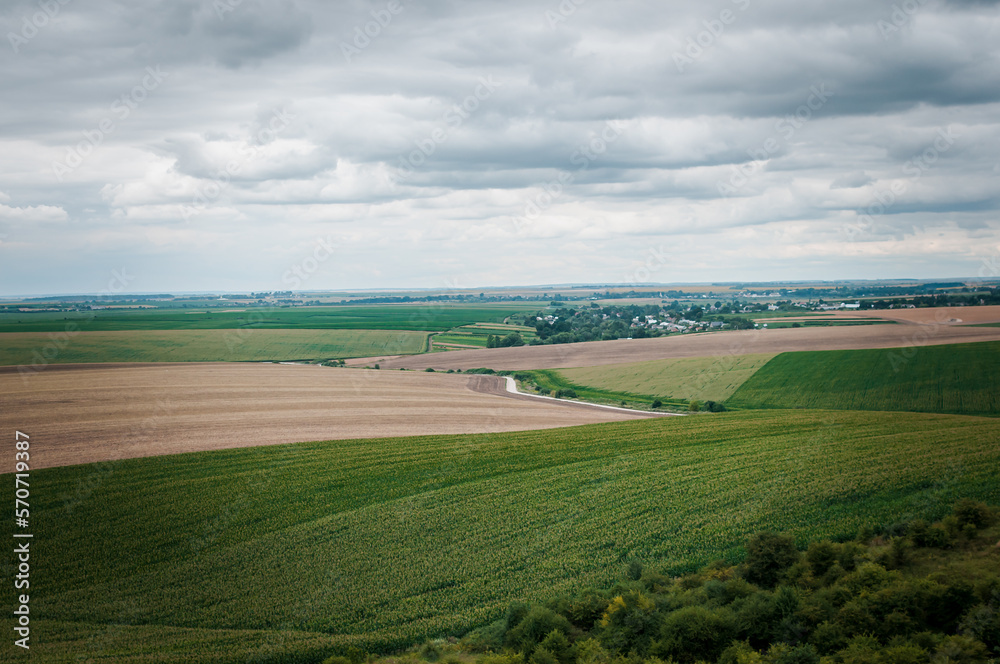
column 431, row 317
column 960, row 378
column 206, row 345
column 728, row 343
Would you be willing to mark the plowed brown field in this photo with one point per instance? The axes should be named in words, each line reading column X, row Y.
column 928, row 316
column 941, row 315
column 743, row 342
column 85, row 413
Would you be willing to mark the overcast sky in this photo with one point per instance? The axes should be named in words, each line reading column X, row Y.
column 251, row 145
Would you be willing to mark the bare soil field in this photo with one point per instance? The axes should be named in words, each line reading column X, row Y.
column 827, row 316
column 941, row 315
column 87, row 413
column 927, row 316
column 708, row 344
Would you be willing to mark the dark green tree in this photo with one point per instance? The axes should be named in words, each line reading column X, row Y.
column 768, row 555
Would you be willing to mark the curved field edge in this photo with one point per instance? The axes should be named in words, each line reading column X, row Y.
column 243, row 345
column 686, row 379
column 956, row 378
column 549, row 381
column 381, row 543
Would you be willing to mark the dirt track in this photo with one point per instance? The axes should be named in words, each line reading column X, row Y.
column 595, row 353
column 84, row 414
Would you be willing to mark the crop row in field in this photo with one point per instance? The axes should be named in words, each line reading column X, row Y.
column 478, row 335
column 688, row 379
column 460, row 340
column 430, row 317
column 381, row 543
column 959, row 378
column 205, row 345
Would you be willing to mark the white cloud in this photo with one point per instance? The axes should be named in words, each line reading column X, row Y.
column 32, row 213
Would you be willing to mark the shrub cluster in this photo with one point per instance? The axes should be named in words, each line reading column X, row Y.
column 864, row 601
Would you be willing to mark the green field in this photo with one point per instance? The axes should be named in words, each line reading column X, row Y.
column 549, row 380
column 244, row 345
column 478, row 334
column 696, row 378
column 461, row 339
column 431, row 317
column 241, row 555
column 959, row 378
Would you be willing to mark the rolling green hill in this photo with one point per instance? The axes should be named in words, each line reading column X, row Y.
column 282, row 553
column 959, row 378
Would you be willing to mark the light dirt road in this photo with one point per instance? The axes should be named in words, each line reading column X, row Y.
column 85, row 413
column 510, row 387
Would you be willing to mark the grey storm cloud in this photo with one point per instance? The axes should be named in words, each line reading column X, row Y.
column 439, row 141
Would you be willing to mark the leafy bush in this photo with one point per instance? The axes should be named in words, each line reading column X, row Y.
column 974, row 513
column 336, row 659
column 512, row 339
column 696, row 633
column 821, row 556
column 785, row 654
column 836, row 603
column 537, row 623
column 558, row 646
column 768, row 555
column 543, row 656
column 922, row 534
